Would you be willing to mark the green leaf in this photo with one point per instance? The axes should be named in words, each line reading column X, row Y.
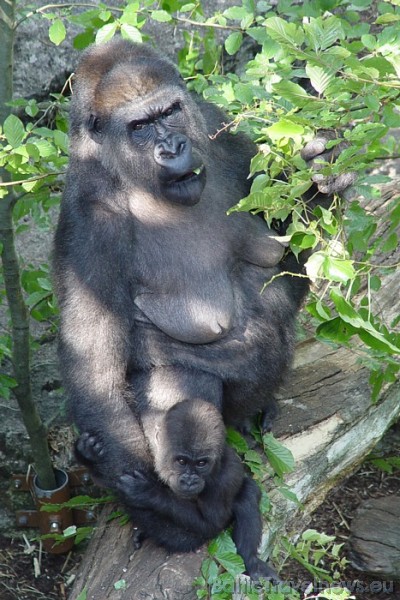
column 84, row 39
column 221, row 544
column 293, row 92
column 301, row 241
column 82, row 595
column 61, row 140
column 287, row 34
column 366, row 330
column 312, row 535
column 288, row 494
column 236, row 440
column 337, row 269
column 209, row 570
column 390, row 243
column 57, row 32
column 187, row 7
column 128, row 32
column 314, row 265
column 162, row 16
column 105, row 15
column 236, row 13
column 14, row 130
column 280, row 458
column 252, row 456
column 369, row 41
column 69, row 531
column 232, row 562
column 233, row 42
column 120, row 584
column 106, row 33
column 320, row 78
column 284, row 129
column 335, row 593
column 45, row 148
column 336, row 330
column 387, row 18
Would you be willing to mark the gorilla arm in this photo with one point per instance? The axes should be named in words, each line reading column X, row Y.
column 205, row 515
column 93, row 363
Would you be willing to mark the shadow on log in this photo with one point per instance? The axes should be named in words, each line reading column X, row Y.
column 328, row 422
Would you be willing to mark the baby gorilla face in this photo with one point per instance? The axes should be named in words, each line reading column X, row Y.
column 190, row 445
column 188, row 474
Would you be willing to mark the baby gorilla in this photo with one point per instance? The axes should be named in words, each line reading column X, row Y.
column 195, row 489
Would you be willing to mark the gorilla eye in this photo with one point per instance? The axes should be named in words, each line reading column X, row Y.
column 181, row 461
column 171, row 110
column 138, row 125
column 202, row 463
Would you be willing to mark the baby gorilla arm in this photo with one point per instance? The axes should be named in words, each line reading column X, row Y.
column 205, row 514
column 247, row 529
column 141, row 489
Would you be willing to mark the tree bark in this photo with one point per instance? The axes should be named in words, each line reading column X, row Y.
column 329, row 423
column 19, row 315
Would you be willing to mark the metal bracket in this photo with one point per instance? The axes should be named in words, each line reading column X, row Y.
column 78, row 476
column 54, row 522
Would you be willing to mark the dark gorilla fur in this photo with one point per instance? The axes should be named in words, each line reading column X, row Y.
column 203, row 487
column 159, row 289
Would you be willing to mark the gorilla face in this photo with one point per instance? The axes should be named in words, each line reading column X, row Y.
column 151, row 135
column 181, row 172
column 189, row 447
column 188, row 474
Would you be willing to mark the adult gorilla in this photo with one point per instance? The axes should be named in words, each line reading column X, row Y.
column 159, row 289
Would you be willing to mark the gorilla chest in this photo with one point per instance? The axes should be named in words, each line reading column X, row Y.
column 185, row 290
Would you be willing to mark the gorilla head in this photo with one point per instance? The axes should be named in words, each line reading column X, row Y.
column 189, row 446
column 136, row 117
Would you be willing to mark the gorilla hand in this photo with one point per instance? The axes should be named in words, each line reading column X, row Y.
column 315, row 154
column 259, row 570
column 135, row 488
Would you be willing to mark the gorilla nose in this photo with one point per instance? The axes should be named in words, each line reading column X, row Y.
column 171, row 146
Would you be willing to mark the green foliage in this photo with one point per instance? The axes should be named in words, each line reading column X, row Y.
column 318, row 553
column 222, row 573
column 388, row 464
column 82, row 502
column 319, row 64
column 77, row 502
column 120, row 584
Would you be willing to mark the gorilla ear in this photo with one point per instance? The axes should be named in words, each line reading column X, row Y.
column 95, row 129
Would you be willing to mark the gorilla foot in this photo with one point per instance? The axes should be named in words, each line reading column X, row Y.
column 89, row 448
column 268, row 416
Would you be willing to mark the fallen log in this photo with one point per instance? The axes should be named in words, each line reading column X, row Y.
column 375, row 537
column 329, row 423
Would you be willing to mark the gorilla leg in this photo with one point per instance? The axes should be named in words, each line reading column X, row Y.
column 160, row 388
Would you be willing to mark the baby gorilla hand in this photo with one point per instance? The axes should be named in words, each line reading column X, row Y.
column 135, row 489
column 259, row 570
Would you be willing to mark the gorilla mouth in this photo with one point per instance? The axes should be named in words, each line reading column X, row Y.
column 186, row 189
column 189, row 176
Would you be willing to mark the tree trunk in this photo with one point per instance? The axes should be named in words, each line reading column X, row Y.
column 329, row 423
column 19, row 315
